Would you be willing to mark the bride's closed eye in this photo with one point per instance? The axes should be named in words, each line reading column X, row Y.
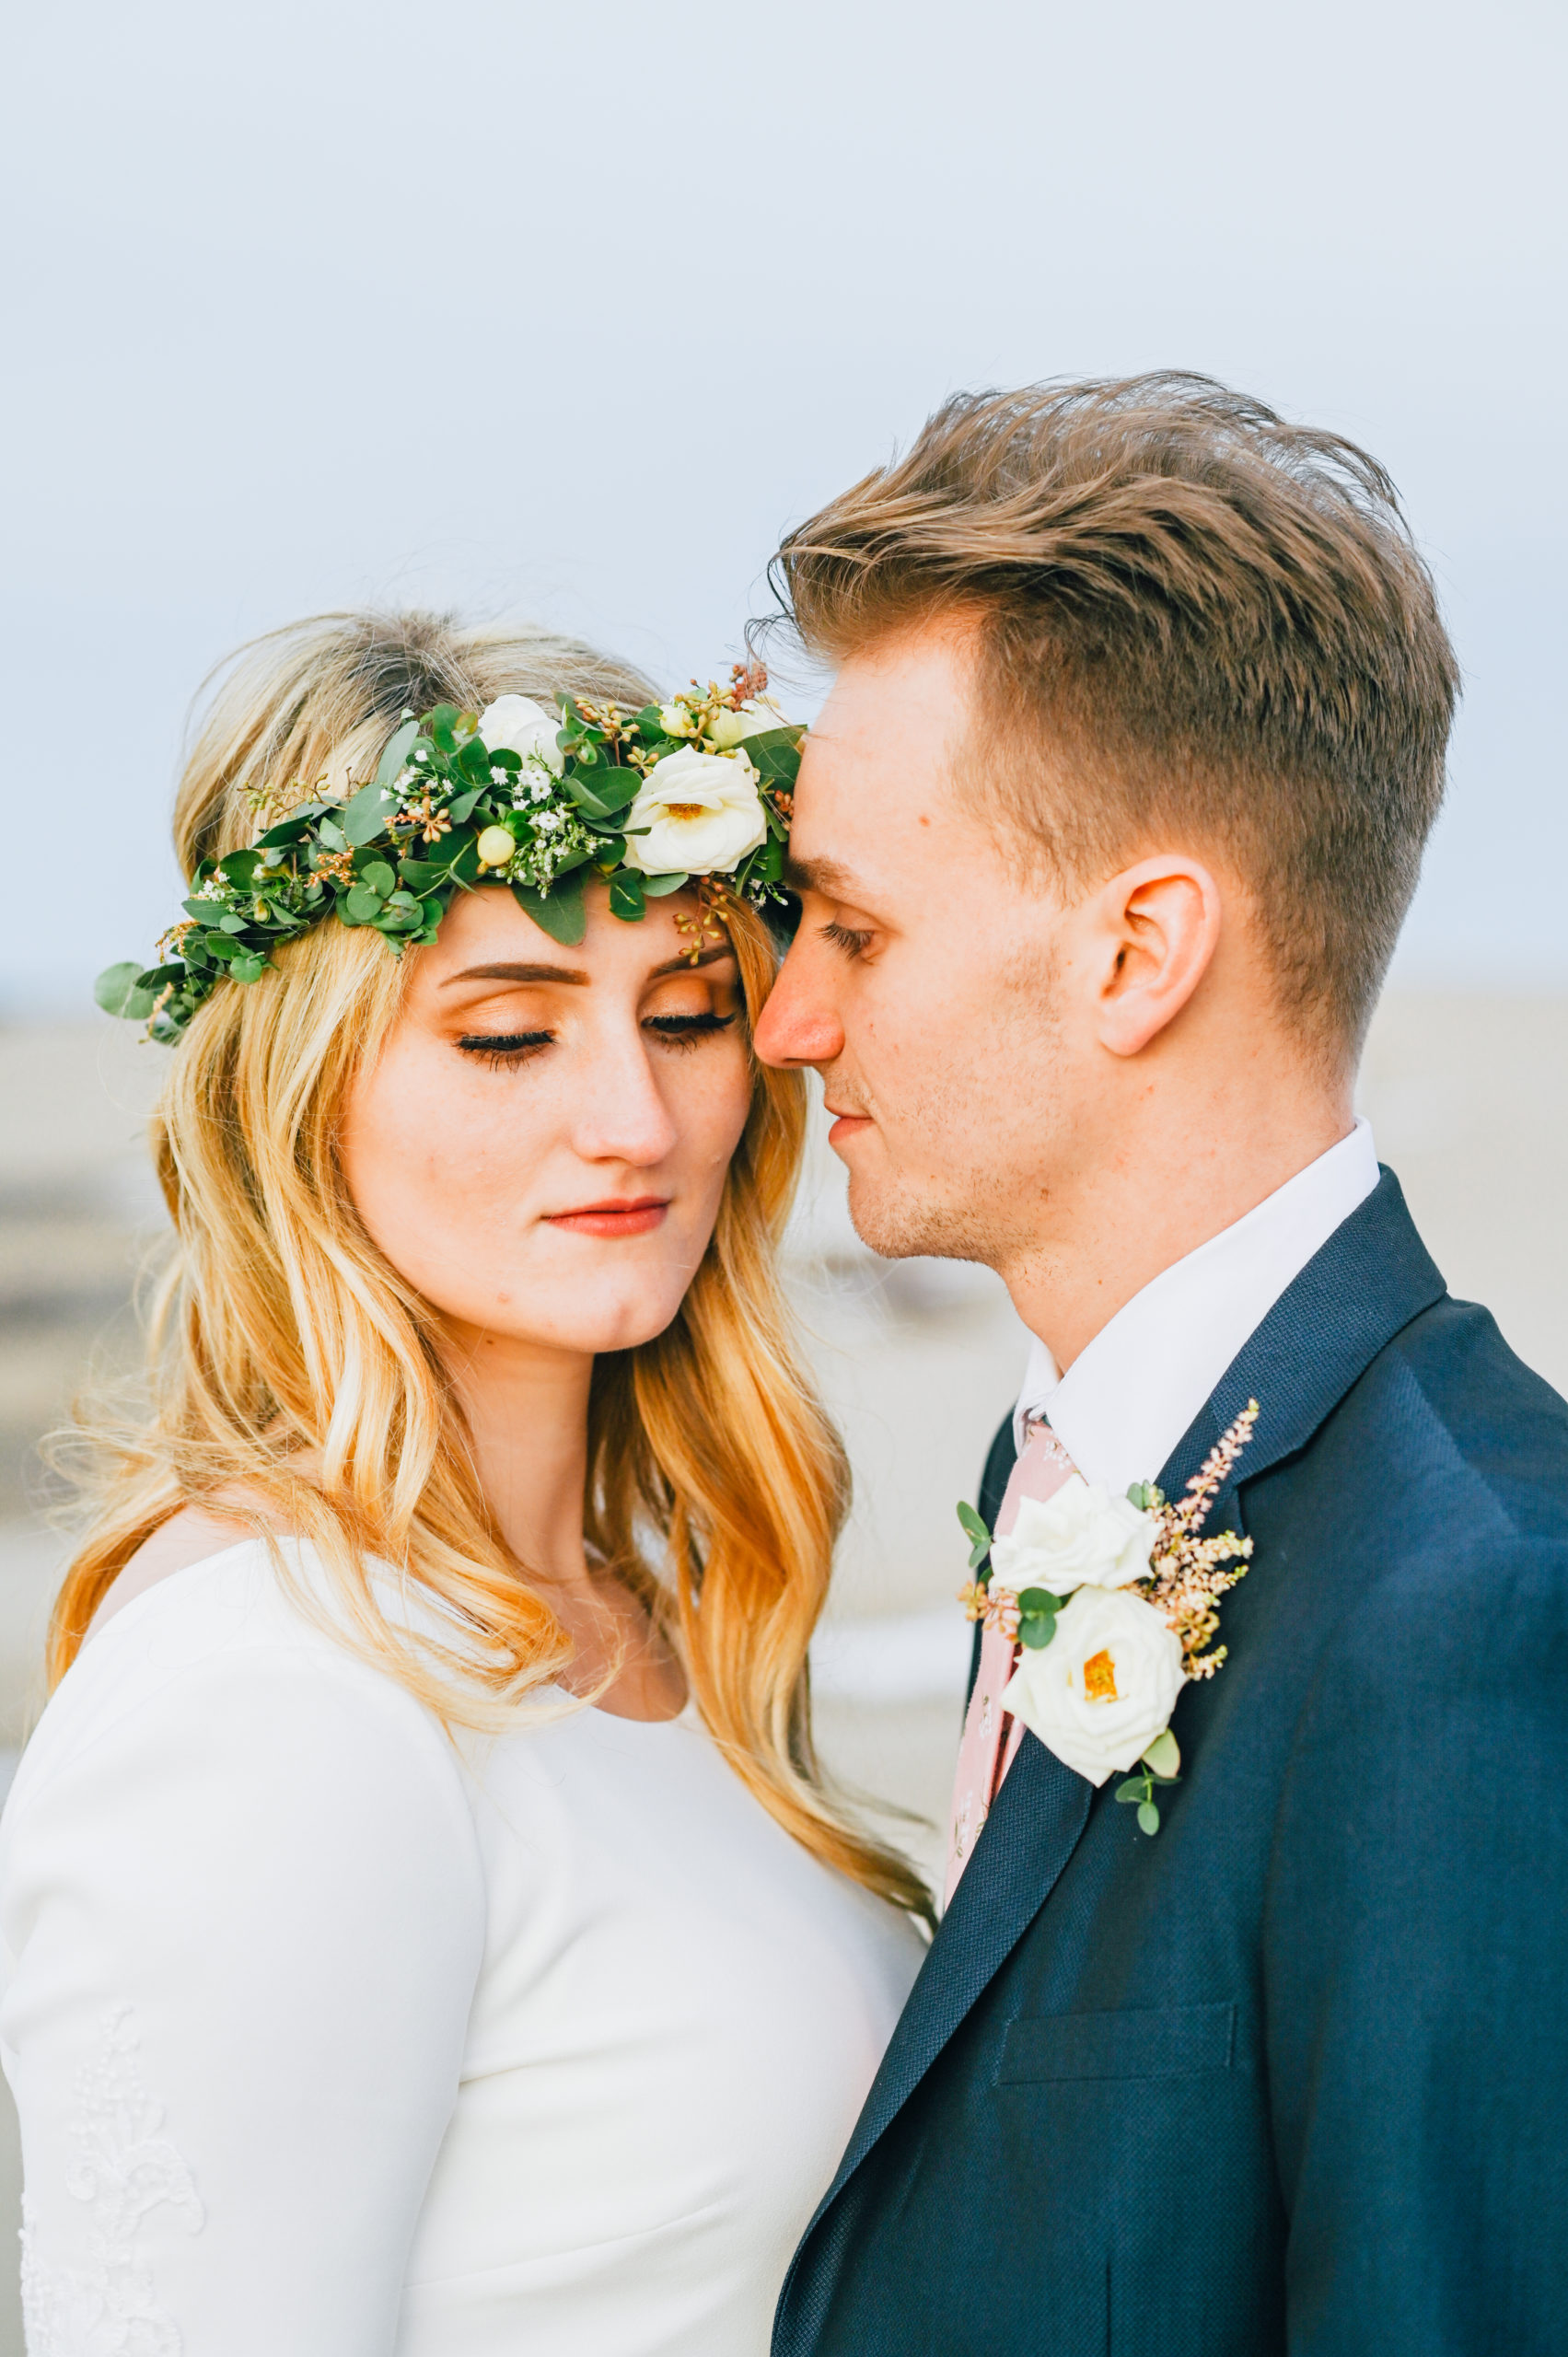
column 502, row 1049
column 505, row 1050
column 685, row 1030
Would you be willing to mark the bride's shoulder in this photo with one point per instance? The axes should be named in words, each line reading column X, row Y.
column 193, row 1536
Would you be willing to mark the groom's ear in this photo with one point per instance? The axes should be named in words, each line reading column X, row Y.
column 1151, row 934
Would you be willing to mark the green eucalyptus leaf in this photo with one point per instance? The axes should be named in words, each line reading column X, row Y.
column 378, row 876
column 365, row 815
column 463, row 805
column 626, row 895
column 248, row 966
column 331, row 836
column 360, row 903
column 775, row 754
column 473, row 762
column 586, row 797
column 1039, row 1600
column 649, row 722
column 559, row 912
column 1149, row 1817
column 1164, row 1755
column 118, row 991
column 287, row 832
column 971, row 1525
column 419, row 875
column 232, row 923
column 1036, row 1629
column 400, row 745
column 617, row 787
column 1134, row 1789
column 657, row 886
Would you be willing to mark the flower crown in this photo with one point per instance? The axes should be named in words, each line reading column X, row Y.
column 700, row 786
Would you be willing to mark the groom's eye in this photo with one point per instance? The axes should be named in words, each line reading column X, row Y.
column 844, row 937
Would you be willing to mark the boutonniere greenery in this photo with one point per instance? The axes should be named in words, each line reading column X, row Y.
column 1113, row 1605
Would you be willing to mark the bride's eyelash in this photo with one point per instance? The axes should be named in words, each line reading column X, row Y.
column 685, row 1030
column 844, row 937
column 502, row 1049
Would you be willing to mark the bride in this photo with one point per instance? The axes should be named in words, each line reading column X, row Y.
column 424, row 1926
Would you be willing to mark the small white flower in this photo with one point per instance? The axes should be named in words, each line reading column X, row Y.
column 729, row 728
column 1079, row 1535
column 547, row 821
column 1105, row 1686
column 676, row 721
column 704, row 814
column 517, row 725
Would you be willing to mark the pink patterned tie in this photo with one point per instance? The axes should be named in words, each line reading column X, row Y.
column 992, row 1736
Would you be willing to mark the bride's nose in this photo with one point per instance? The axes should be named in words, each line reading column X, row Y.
column 620, row 1113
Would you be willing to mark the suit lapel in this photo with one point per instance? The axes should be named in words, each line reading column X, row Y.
column 1028, row 1837
column 1372, row 1276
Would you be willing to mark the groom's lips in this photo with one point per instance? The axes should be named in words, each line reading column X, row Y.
column 634, row 1218
column 847, row 1126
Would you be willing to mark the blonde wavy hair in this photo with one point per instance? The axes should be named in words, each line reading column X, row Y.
column 293, row 1369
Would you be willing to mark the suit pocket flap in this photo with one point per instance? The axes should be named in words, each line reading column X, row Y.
column 1174, row 2043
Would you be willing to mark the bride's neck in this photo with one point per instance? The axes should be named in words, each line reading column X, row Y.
column 528, row 1413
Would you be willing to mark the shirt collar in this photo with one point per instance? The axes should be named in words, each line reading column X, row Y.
column 1133, row 1390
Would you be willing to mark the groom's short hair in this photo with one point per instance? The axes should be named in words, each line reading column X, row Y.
column 1215, row 623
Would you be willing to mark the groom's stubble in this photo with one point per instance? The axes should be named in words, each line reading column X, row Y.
column 983, row 1193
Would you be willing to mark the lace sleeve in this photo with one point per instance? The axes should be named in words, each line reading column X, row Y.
column 243, row 1914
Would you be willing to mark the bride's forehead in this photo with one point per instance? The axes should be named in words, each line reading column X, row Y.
column 487, row 927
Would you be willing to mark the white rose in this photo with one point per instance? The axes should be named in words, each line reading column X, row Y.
column 730, row 729
column 1080, row 1535
column 517, row 725
column 704, row 814
column 1105, row 1685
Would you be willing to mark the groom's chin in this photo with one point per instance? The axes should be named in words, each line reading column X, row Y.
column 897, row 1223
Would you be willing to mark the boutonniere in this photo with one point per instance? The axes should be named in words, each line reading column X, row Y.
column 1114, row 1604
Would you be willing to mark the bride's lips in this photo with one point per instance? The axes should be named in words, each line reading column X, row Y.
column 638, row 1218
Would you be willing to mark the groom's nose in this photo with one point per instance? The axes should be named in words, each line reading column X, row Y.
column 800, row 1023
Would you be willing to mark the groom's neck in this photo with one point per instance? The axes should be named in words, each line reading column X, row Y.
column 1178, row 1173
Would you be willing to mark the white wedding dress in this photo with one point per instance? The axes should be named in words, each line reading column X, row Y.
column 334, row 2037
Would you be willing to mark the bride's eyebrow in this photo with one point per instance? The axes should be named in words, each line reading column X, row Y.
column 510, row 974
column 506, row 972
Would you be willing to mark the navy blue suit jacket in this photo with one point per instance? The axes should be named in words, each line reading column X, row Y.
column 1291, row 2075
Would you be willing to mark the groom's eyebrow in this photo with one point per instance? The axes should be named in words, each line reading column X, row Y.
column 828, row 877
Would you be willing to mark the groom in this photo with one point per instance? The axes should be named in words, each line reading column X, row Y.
column 1103, row 840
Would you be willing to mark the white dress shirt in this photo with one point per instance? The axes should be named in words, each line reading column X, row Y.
column 334, row 2036
column 1130, row 1395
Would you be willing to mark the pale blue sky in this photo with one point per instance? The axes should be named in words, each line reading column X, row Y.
column 567, row 312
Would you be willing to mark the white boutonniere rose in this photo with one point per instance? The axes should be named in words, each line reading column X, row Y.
column 1079, row 1536
column 696, row 813
column 1110, row 1605
column 517, row 725
column 1105, row 1687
